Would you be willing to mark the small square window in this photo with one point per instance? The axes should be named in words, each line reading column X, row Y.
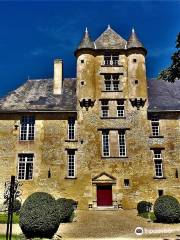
column 134, row 60
column 126, row 182
column 160, row 192
column 82, row 61
column 82, row 83
column 136, row 81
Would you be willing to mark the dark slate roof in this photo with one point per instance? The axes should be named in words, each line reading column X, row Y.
column 133, row 41
column 86, row 41
column 37, row 95
column 163, row 96
column 109, row 39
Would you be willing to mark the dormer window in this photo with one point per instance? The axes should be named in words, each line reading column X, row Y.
column 111, row 59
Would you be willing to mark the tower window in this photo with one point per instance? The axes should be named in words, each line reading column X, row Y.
column 105, row 108
column 122, row 143
column 176, row 173
column 111, row 82
column 136, row 81
column 134, row 60
column 111, row 59
column 82, row 61
column 25, row 166
column 158, row 164
column 126, row 182
column 105, row 144
column 155, row 125
column 120, row 108
column 27, row 128
column 71, row 129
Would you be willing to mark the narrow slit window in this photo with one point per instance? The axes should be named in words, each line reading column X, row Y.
column 71, row 128
column 105, row 144
column 122, row 144
column 71, row 164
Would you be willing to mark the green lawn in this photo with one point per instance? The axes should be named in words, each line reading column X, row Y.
column 3, row 218
column 14, row 237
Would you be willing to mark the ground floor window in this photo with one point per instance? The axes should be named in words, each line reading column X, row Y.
column 25, row 166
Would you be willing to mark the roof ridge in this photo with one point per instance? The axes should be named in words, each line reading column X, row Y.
column 112, row 30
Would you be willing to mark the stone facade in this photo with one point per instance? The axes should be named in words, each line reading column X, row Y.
column 132, row 176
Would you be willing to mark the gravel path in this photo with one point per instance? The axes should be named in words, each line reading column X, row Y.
column 115, row 225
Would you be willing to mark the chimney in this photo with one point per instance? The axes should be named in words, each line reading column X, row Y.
column 58, row 76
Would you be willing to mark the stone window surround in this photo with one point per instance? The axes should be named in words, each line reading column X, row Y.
column 25, row 160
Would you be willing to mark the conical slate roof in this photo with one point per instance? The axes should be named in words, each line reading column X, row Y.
column 133, row 41
column 109, row 39
column 86, row 41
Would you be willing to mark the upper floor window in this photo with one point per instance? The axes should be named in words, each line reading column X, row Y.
column 120, row 108
column 105, row 144
column 111, row 59
column 111, row 82
column 25, row 166
column 104, row 108
column 27, row 128
column 155, row 126
column 122, row 144
column 71, row 173
column 158, row 164
column 71, row 128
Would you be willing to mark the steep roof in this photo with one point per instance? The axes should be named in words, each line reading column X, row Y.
column 37, row 95
column 109, row 39
column 133, row 41
column 163, row 96
column 86, row 41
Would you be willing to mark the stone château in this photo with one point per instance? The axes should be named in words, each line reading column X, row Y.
column 108, row 138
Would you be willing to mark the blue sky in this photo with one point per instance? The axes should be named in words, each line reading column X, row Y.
column 34, row 33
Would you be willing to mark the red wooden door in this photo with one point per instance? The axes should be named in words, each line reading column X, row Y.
column 104, row 195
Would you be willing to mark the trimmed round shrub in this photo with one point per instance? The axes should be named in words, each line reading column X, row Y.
column 143, row 206
column 39, row 216
column 65, row 208
column 167, row 209
column 16, row 206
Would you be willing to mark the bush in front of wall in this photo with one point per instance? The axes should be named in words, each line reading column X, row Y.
column 143, row 206
column 65, row 208
column 167, row 209
column 39, row 216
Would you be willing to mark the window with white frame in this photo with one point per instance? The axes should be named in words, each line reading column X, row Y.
column 111, row 59
column 104, row 108
column 71, row 128
column 105, row 144
column 25, row 166
column 120, row 108
column 71, row 173
column 122, row 143
column 111, row 82
column 155, row 126
column 158, row 163
column 27, row 128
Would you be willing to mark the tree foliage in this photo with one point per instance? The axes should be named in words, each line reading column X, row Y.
column 172, row 73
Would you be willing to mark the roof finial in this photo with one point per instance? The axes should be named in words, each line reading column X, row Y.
column 86, row 31
column 133, row 30
column 109, row 26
